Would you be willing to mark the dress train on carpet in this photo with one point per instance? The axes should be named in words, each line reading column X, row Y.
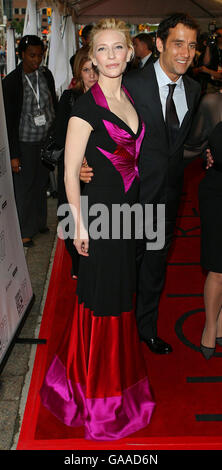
column 98, row 377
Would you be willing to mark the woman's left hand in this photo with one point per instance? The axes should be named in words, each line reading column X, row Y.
column 82, row 243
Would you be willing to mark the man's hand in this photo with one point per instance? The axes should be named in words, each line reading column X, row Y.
column 210, row 160
column 86, row 173
column 16, row 165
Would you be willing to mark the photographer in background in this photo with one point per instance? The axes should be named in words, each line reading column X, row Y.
column 212, row 60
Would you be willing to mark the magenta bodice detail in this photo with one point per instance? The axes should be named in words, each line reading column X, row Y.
column 125, row 156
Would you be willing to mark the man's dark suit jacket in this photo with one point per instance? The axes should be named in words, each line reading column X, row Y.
column 149, row 61
column 160, row 167
column 12, row 87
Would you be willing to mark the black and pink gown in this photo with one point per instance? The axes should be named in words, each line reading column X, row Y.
column 98, row 377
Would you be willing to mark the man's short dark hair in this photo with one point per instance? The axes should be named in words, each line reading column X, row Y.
column 71, row 61
column 29, row 40
column 147, row 39
column 172, row 21
column 86, row 31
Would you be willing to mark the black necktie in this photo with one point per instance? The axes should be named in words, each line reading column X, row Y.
column 172, row 121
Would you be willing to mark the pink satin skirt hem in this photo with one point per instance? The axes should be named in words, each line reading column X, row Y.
column 107, row 418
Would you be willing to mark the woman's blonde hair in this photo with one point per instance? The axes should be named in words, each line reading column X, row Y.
column 113, row 24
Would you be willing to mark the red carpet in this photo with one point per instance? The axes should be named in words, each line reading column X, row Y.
column 187, row 388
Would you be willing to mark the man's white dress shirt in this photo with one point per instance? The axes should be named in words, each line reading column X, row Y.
column 179, row 95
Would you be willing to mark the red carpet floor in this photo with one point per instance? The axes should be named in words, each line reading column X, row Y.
column 186, row 387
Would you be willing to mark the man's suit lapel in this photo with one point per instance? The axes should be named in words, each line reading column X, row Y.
column 151, row 99
column 149, row 61
column 190, row 97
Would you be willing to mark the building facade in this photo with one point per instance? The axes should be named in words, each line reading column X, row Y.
column 19, row 11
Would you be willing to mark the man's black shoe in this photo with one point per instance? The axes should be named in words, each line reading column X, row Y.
column 157, row 345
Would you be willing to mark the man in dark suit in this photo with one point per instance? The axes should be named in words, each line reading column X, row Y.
column 167, row 112
column 143, row 46
column 168, row 121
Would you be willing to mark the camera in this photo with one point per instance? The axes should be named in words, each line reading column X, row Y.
column 212, row 37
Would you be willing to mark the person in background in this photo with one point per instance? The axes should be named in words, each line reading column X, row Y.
column 194, row 70
column 85, row 36
column 207, row 133
column 30, row 104
column 73, row 80
column 143, row 47
column 86, row 76
column 17, row 51
column 212, row 63
column 2, row 61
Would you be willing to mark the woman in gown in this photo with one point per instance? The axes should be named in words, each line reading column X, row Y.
column 86, row 76
column 208, row 133
column 98, row 378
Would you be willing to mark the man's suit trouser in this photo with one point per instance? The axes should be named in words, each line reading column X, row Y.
column 151, row 270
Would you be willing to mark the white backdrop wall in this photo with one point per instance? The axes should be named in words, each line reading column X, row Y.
column 15, row 286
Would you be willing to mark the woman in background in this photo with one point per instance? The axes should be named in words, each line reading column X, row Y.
column 208, row 134
column 210, row 202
